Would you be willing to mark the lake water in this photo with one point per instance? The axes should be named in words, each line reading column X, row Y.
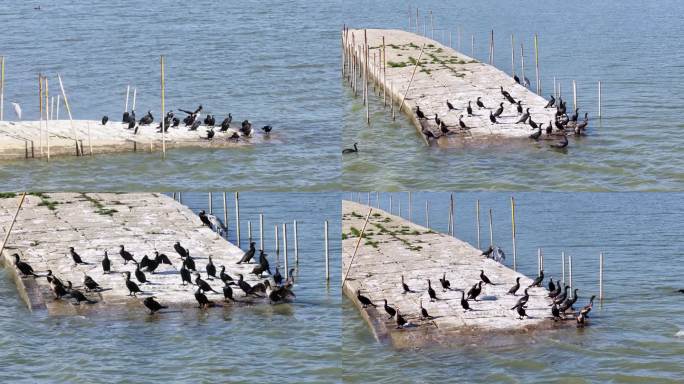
column 247, row 344
column 270, row 62
column 638, row 334
column 634, row 47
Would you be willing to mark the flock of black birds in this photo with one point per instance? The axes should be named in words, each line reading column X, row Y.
column 562, row 302
column 279, row 292
column 559, row 127
column 193, row 120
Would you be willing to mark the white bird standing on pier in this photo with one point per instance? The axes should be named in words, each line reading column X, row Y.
column 17, row 110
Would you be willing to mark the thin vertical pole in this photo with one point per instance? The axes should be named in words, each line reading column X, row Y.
column 570, row 270
column 390, row 203
column 432, row 24
column 522, row 63
column 14, row 219
column 368, row 200
column 135, row 94
column 539, row 262
column 491, row 229
column 451, row 214
column 384, row 71
column 261, row 231
column 427, row 214
column 52, row 108
column 180, row 199
column 327, row 252
column 391, row 85
column 512, row 55
column 237, row 218
column 40, row 110
column 601, row 276
column 399, row 206
column 285, row 245
column 477, row 223
column 410, row 205
column 563, row 267
column 417, row 18
column 450, row 44
column 249, row 231
column 163, row 113
column 211, row 203
column 47, row 117
column 128, row 91
column 515, row 265
column 491, row 48
column 409, row 18
column 599, row 99
column 225, row 211
column 58, row 102
column 277, row 241
column 296, row 242
column 574, row 94
column 365, row 42
column 401, row 105
column 66, row 104
column 2, row 88
column 536, row 61
column 377, row 200
column 554, row 87
column 472, row 46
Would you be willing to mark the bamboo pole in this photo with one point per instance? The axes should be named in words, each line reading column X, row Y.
column 599, row 99
column 536, row 62
column 225, row 212
column 570, row 270
column 163, row 113
column 285, row 245
column 249, row 231
column 377, row 200
column 401, row 105
column 409, row 18
column 574, row 94
column 327, row 251
column 399, row 206
column 392, row 100
column 450, row 44
column 296, row 242
column 47, row 114
column 277, row 242
column 14, row 219
column 210, row 203
column 554, row 87
column 512, row 55
column 2, row 88
column 261, row 231
column 601, row 276
column 491, row 229
column 427, row 214
column 563, row 266
column 66, row 104
column 356, row 248
column 477, row 224
column 237, row 218
column 515, row 265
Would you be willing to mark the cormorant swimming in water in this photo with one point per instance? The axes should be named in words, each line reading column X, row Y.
column 400, row 320
column 267, row 129
column 431, row 292
column 450, row 106
column 203, row 284
column 446, row 285
column 23, row 267
column 365, row 302
column 133, row 288
column 475, row 291
column 185, row 275
column 423, row 312
column 484, row 278
column 515, row 288
column 140, row 275
column 390, row 311
column 153, row 305
column 419, row 113
column 75, row 256
column 351, row 150
column 127, row 256
column 464, row 302
column 479, row 103
column 106, row 263
column 562, row 143
column 249, row 254
column 524, row 117
column 488, row 252
column 538, row 280
column 105, row 119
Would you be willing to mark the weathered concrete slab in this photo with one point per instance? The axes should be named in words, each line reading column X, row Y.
column 393, row 246
column 28, row 139
column 95, row 222
column 446, row 74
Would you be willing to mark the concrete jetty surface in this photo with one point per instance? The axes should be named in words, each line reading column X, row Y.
column 446, row 74
column 49, row 224
column 28, row 139
column 393, row 246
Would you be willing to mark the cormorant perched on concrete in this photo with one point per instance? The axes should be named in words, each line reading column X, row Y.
column 484, row 278
column 450, row 106
column 203, row 284
column 226, row 123
column 587, row 308
column 400, row 320
column 351, row 150
column 180, row 250
column 75, row 256
column 58, row 289
column 551, row 285
column 209, row 121
column 153, row 305
column 90, row 284
column 423, row 312
column 549, row 128
column 445, row 283
column 204, row 218
column 555, row 313
column 50, row 278
column 488, row 252
column 419, row 113
column 475, row 291
column 133, row 288
column 551, row 103
column 431, row 292
column 561, row 298
column 464, row 302
column 185, row 275
column 79, row 297
column 277, row 277
column 437, row 120
column 105, row 119
column 443, row 128
column 532, row 123
column 211, row 268
column 263, row 266
column 175, row 122
column 556, row 291
column 267, row 129
column 189, row 263
column 575, row 115
column 524, row 117
column 562, row 143
column 523, row 300
column 147, row 119
column 461, row 123
column 469, row 109
column 23, row 267
column 365, row 302
column 428, row 134
column 516, row 78
column 492, row 118
column 106, row 263
column 479, row 103
column 224, row 276
column 195, row 125
column 519, row 108
column 249, row 254
column 515, row 288
column 535, row 136
column 202, row 299
column 126, row 117
column 498, row 111
column 140, row 275
column 228, row 292
column 538, row 280
column 390, row 311
column 404, row 286
column 126, row 256
column 569, row 302
column 521, row 311
column 210, row 134
column 245, row 287
column 246, row 128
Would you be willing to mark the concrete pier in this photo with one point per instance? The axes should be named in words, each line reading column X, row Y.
column 49, row 224
column 392, row 246
column 445, row 74
column 22, row 139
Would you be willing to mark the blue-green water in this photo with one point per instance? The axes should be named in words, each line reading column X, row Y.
column 638, row 334
column 632, row 46
column 245, row 344
column 270, row 62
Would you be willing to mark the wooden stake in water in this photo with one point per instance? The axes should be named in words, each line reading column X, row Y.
column 40, row 112
column 427, row 214
column 2, row 88
column 377, row 200
column 554, row 87
column 477, row 223
column 536, row 62
column 210, row 204
column 135, row 94
column 522, row 63
column 417, row 18
column 225, row 211
column 249, row 231
column 327, row 252
column 285, row 245
column 237, row 218
column 365, row 40
column 563, row 267
column 277, row 242
column 296, row 242
column 570, row 270
column 491, row 229
column 512, row 55
column 128, row 91
column 384, row 72
column 163, row 114
column 261, row 231
column 539, row 262
column 601, row 276
column 574, row 94
column 52, row 108
column 491, row 48
column 515, row 265
column 599, row 99
column 47, row 117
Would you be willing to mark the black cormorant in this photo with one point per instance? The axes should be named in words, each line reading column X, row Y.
column 249, row 254
column 153, row 305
